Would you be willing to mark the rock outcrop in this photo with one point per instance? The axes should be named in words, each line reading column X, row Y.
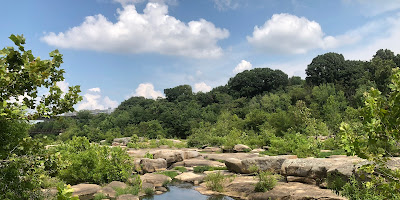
column 153, row 165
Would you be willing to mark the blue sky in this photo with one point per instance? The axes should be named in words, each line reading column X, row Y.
column 115, row 49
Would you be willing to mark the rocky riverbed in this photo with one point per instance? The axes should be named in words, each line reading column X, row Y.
column 303, row 178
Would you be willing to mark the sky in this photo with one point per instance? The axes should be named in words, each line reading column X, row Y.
column 116, row 49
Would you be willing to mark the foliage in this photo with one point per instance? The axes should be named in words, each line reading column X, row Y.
column 134, row 190
column 180, row 168
column 65, row 193
column 85, row 162
column 266, row 181
column 148, row 155
column 215, row 181
column 149, row 191
column 100, row 196
column 170, row 174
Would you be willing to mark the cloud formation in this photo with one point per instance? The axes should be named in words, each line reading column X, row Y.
column 154, row 31
column 226, row 4
column 289, row 34
column 202, row 87
column 94, row 100
column 243, row 65
column 146, row 90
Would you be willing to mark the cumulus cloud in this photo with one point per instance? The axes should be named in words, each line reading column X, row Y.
column 289, row 34
column 374, row 7
column 94, row 100
column 226, row 4
column 154, row 31
column 147, row 90
column 243, row 65
column 203, row 87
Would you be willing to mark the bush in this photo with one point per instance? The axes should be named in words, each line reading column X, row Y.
column 85, row 162
column 215, row 181
column 171, row 174
column 134, row 190
column 266, row 181
column 149, row 191
column 148, row 155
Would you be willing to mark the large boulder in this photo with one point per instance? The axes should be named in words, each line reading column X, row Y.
column 109, row 189
column 171, row 156
column 155, row 179
column 153, row 165
column 127, row 197
column 241, row 148
column 190, row 177
column 320, row 168
column 225, row 156
column 190, row 154
column 199, row 162
column 266, row 163
column 296, row 191
column 85, row 191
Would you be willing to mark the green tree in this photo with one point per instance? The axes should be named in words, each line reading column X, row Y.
column 326, row 68
column 181, row 93
column 256, row 81
column 21, row 75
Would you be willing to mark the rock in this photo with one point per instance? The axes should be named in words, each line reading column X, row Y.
column 301, row 180
column 225, row 156
column 123, row 141
column 241, row 148
column 212, row 149
column 85, row 191
column 202, row 162
column 153, row 165
column 162, row 189
column 190, row 177
column 148, row 185
column 319, row 168
column 127, row 197
column 190, row 154
column 155, row 179
column 235, row 165
column 158, row 192
column 117, row 184
column 171, row 156
column 393, row 163
column 266, row 163
column 257, row 150
column 108, row 191
column 296, row 191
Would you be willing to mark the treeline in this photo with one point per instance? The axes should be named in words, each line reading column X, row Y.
column 258, row 107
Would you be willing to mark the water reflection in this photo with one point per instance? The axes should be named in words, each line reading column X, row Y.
column 184, row 191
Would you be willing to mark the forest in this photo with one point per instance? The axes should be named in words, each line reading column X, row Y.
column 346, row 106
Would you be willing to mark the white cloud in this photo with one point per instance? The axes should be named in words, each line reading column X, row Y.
column 64, row 86
column 126, row 2
column 146, row 90
column 289, row 34
column 226, row 4
column 95, row 89
column 374, row 7
column 94, row 100
column 243, row 65
column 203, row 87
column 386, row 34
column 154, row 31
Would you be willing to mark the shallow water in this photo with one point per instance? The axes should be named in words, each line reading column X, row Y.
column 184, row 191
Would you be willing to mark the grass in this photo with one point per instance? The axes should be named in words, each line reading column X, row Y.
column 171, row 174
column 201, row 169
column 149, row 191
column 215, row 181
column 181, row 169
column 128, row 190
column 100, row 196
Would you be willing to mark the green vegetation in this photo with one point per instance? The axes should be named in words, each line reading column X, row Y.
column 181, row 169
column 65, row 193
column 170, row 174
column 266, row 181
column 215, row 181
column 128, row 190
column 201, row 169
column 353, row 105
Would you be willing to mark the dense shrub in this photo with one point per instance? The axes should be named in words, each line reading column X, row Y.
column 85, row 162
column 266, row 181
